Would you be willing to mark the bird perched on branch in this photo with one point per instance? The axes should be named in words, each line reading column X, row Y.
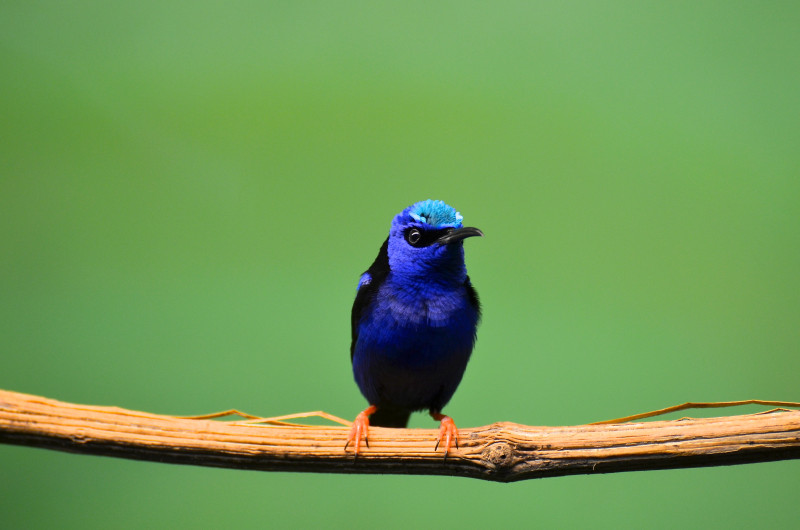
column 414, row 321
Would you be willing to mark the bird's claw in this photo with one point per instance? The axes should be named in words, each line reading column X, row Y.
column 447, row 432
column 359, row 430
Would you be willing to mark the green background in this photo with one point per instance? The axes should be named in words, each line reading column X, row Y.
column 189, row 192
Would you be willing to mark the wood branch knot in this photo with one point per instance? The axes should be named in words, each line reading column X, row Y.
column 79, row 436
column 498, row 455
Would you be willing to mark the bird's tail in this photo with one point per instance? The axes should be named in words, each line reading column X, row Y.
column 389, row 417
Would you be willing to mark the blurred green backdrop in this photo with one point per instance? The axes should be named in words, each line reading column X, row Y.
column 189, row 192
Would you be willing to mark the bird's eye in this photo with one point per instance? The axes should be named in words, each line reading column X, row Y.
column 414, row 236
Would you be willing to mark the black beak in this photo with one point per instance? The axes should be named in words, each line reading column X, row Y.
column 457, row 234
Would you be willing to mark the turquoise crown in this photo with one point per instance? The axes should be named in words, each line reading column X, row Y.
column 435, row 213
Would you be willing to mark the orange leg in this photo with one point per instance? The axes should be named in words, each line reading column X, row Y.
column 359, row 429
column 447, row 430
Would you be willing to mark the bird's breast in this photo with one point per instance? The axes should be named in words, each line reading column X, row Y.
column 414, row 343
column 415, row 306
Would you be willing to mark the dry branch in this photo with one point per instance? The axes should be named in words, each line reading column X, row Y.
column 503, row 452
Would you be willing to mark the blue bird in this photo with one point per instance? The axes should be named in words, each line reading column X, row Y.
column 414, row 321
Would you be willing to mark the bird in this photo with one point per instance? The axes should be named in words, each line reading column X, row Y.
column 414, row 322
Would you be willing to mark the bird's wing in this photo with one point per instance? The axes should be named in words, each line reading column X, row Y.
column 367, row 287
column 472, row 295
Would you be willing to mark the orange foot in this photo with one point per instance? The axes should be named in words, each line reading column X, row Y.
column 447, row 431
column 359, row 429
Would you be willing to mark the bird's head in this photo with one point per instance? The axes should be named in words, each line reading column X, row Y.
column 426, row 241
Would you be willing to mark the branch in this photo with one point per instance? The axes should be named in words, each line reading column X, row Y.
column 502, row 452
